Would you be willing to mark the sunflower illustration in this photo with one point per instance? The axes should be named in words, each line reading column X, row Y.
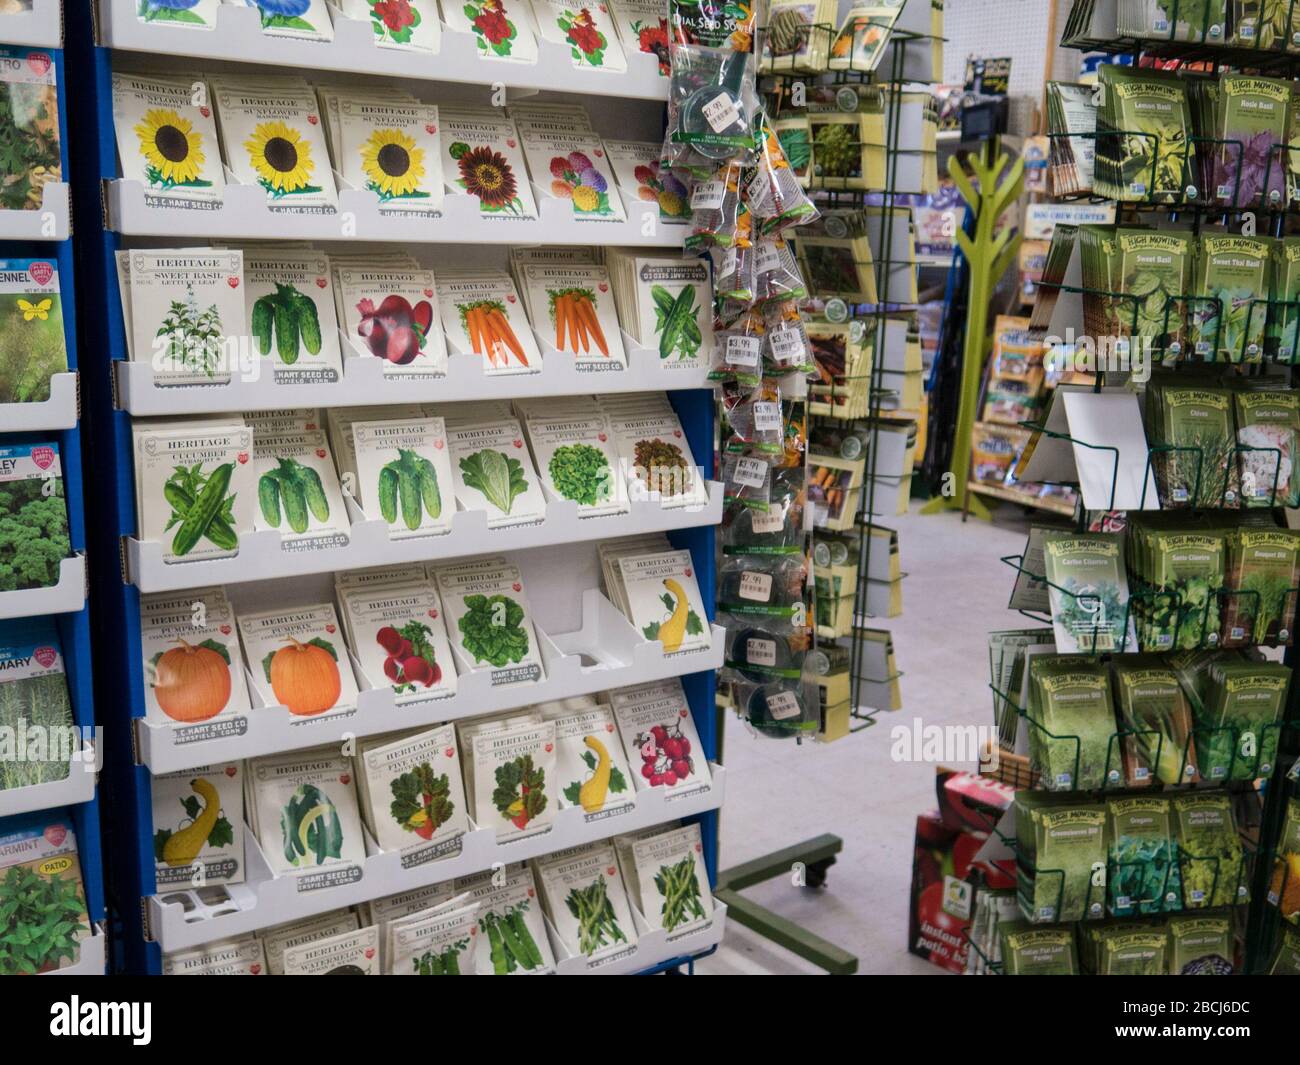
column 282, row 158
column 172, row 148
column 486, row 174
column 393, row 163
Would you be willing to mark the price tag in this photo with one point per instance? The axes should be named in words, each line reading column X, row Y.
column 727, row 261
column 708, row 195
column 787, row 344
column 721, row 112
column 766, row 257
column 759, row 652
column 783, row 705
column 756, row 586
column 742, row 351
column 770, row 521
column 752, row 473
column 767, row 416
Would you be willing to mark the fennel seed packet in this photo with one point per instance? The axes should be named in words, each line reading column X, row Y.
column 166, row 141
column 404, row 476
column 1155, row 714
column 493, row 472
column 399, row 637
column 488, row 620
column 1088, row 590
column 1263, row 575
column 1213, row 863
column 1268, row 428
column 33, row 346
column 1072, row 724
column 577, row 460
column 1142, row 875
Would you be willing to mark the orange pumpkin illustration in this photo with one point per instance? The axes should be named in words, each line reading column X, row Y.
column 191, row 683
column 305, row 678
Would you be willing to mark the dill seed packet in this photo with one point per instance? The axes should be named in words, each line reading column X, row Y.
column 1088, row 590
column 391, row 148
column 1028, row 950
column 1059, row 847
column 674, row 885
column 298, row 492
column 292, row 322
column 583, row 893
column 586, row 29
column 34, row 693
column 1213, row 863
column 1230, row 312
column 1268, row 427
column 276, row 940
column 493, row 472
column 1142, row 875
column 399, row 636
column 198, row 823
column 306, row 810
column 502, row 29
column 235, row 957
column 514, row 780
column 483, row 315
column 512, row 939
column 298, row 660
column 193, row 664
column 1072, row 722
column 1200, row 946
column 481, row 157
column 348, row 954
column 577, row 460
column 32, row 342
column 29, row 125
column 1250, row 169
column 590, row 768
column 1155, row 713
column 1237, row 726
column 167, row 142
column 412, row 793
column 404, row 475
column 488, row 620
column 388, row 312
column 1263, row 573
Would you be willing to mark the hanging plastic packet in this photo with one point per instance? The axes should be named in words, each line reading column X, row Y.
column 720, row 217
column 786, row 349
column 782, row 709
column 777, row 528
column 765, row 648
column 776, row 271
column 763, row 585
column 738, row 350
column 711, row 106
column 754, row 417
column 733, row 274
column 747, row 479
column 776, row 197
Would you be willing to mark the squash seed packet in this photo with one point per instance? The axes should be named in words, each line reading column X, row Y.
column 590, row 767
column 198, row 822
column 166, row 142
column 664, row 601
column 307, row 814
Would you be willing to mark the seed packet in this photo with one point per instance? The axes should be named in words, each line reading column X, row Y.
column 638, row 172
column 1088, row 588
column 29, row 126
column 404, row 475
column 1214, row 868
column 271, row 135
column 837, row 266
column 1058, row 848
column 193, row 664
column 441, row 943
column 1230, row 312
column 202, row 14
column 674, row 885
column 664, row 600
column 32, row 342
column 1268, row 427
column 1143, row 122
column 656, row 457
column 31, row 482
column 774, row 193
column 481, row 157
column 512, row 939
column 276, row 940
column 234, row 957
column 298, row 492
column 1249, row 169
column 482, row 315
column 863, row 34
column 797, row 36
column 1284, row 316
column 165, row 141
column 720, row 217
column 794, row 134
column 587, row 30
column 400, row 638
column 488, row 620
column 1031, row 950
column 1142, row 875
column 575, row 304
column 392, row 149
column 1184, row 571
column 297, row 659
column 1072, row 723
column 1262, row 575
column 642, row 27
column 185, row 307
column 1200, row 946
column 842, row 158
column 413, row 26
column 34, row 695
column 1284, row 883
column 514, row 780
column 348, row 954
column 1155, row 712
column 292, row 314
column 388, row 313
column 577, row 460
column 305, row 805
column 39, row 867
column 572, row 166
column 584, row 895
column 305, row 19
column 591, row 771
column 493, row 472
column 665, row 305
column 502, row 29
column 413, row 795
column 659, row 737
column 195, row 488
column 1237, row 724
column 198, row 822
column 1194, row 427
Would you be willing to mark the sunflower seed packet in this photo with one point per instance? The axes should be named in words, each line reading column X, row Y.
column 392, row 149
column 165, row 141
column 481, row 157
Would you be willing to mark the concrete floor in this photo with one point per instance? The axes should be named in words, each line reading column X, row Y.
column 779, row 794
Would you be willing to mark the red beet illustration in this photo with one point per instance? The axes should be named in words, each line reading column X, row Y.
column 395, row 330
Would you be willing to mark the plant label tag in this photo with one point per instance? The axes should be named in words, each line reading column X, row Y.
column 756, row 586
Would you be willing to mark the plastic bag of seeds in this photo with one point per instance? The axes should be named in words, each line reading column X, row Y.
column 755, row 422
column 775, row 196
column 733, row 274
column 738, row 350
column 776, row 271
column 786, row 348
column 719, row 216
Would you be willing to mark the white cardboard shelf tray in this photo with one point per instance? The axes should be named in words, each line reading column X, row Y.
column 91, row 960
column 77, row 787
column 65, row 597
column 57, row 412
column 50, row 222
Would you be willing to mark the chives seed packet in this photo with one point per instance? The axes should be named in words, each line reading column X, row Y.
column 502, row 29
column 347, row 954
column 412, row 793
column 404, row 475
column 488, row 620
column 1195, row 436
column 493, row 472
column 399, row 636
column 1268, row 429
column 577, row 459
column 291, row 314
column 1072, row 722
column 34, row 696
column 1213, row 863
column 298, row 659
column 1089, row 593
column 32, row 343
column 305, row 810
column 198, row 822
column 167, row 142
column 481, row 157
column 388, row 312
column 412, row 25
column 1263, row 573
column 29, row 127
column 298, row 491
column 483, row 315
column 586, row 29
column 391, row 148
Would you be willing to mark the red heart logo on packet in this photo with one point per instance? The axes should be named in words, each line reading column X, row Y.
column 45, row 656
column 205, row 112
column 598, row 153
column 255, row 969
column 429, row 127
column 310, row 426
column 531, row 893
column 428, row 293
column 432, row 613
column 438, row 444
column 320, row 452
column 345, row 779
column 517, row 586
column 225, row 630
column 231, row 770
column 550, row 747
column 699, row 848
column 42, row 272
column 370, row 952
column 321, row 282
column 450, row 752
column 517, row 443
column 609, row 726
column 233, row 282
column 611, row 871
column 329, row 629
column 39, row 62
column 43, row 457
column 682, row 713
column 601, row 437
column 510, row 297
column 677, row 433
column 56, row 834
column 603, row 287
column 242, row 457
column 312, row 119
column 687, row 571
column 510, row 142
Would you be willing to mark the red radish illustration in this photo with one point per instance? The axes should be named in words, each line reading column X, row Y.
column 395, row 330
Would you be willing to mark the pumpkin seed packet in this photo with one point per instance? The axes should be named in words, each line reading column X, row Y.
column 482, row 315
column 659, row 737
column 29, row 126
column 347, row 954
column 196, row 488
column 34, row 695
column 1268, row 428
column 404, row 476
column 1031, row 950
column 307, row 819
column 489, row 622
column 292, row 319
column 1213, row 862
column 413, row 26
column 193, row 664
column 515, row 791
column 234, row 957
column 1200, row 946
column 1072, row 724
column 278, row 939
column 1248, row 169
column 481, row 157
column 391, row 148
column 502, row 29
column 673, row 882
column 412, row 794
column 493, row 472
column 1157, row 717
column 297, row 658
column 33, row 346
column 663, row 601
column 387, row 312
column 198, row 827
column 1142, row 875
column 1089, row 593
column 440, row 943
column 400, row 638
column 298, row 491
column 1237, row 725
column 512, row 939
column 577, row 460
column 186, row 306
column 272, row 136
column 590, row 768
column 584, row 896
column 1230, row 311
column 166, row 142
column 587, row 30
column 1059, row 848
column 1263, row 573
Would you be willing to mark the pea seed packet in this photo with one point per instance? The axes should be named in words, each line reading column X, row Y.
column 1030, row 950
column 502, row 29
column 272, row 136
column 307, row 819
column 34, row 693
column 571, row 165
column 1072, row 723
column 298, row 660
column 1200, row 946
column 388, row 911
column 198, row 821
column 1214, row 866
column 659, row 737
column 186, row 306
column 348, row 954
column 489, row 622
column 587, row 30
column 584, row 895
column 1088, row 590
column 674, row 884
column 400, row 638
column 388, row 313
column 483, row 315
column 514, row 780
column 30, row 126
column 1237, row 725
column 404, row 475
column 590, row 767
column 493, row 472
column 666, row 305
column 391, row 148
column 298, row 491
column 512, row 939
column 167, row 142
column 291, row 315
column 195, row 488
column 412, row 27
column 1143, row 875
column 1059, row 849
column 664, row 601
column 642, row 27
column 439, row 944
column 1268, row 427
column 577, row 460
column 481, row 158
column 275, row 941
column 32, row 342
column 572, row 306
column 1263, row 570
column 412, row 794
column 235, row 957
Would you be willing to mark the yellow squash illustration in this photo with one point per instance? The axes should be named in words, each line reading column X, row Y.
column 592, row 794
column 673, row 631
column 183, row 847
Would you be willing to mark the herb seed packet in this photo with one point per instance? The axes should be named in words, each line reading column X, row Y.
column 482, row 315
column 512, row 939
column 298, row 492
column 413, row 26
column 167, row 143
column 1027, row 950
column 413, row 794
column 195, row 488
column 306, row 810
column 34, row 695
column 401, row 639
column 271, row 135
column 578, row 461
column 587, row 30
column 674, row 885
column 642, row 27
column 236, row 957
column 1058, row 851
column 39, row 866
column 1263, row 571
column 584, row 895
column 514, row 780
column 502, row 29
column 590, row 766
column 198, row 823
column 1088, row 589
column 1155, row 712
column 29, row 125
column 1214, row 868
column 488, row 620
column 572, row 166
column 1142, row 875
column 1248, row 170
column 1268, row 426
column 1071, row 739
column 442, row 944
column 31, row 478
column 193, row 665
column 349, row 954
column 298, row 660
column 32, row 343
column 404, row 475
column 186, row 305
column 481, row 158
column 493, row 472
column 664, row 601
column 275, row 941
column 1200, row 946
column 388, row 313
column 1237, row 724
column 659, row 738
column 576, row 305
column 391, row 148
column 292, row 320
column 1232, row 285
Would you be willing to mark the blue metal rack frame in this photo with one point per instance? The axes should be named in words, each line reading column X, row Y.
column 116, row 604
